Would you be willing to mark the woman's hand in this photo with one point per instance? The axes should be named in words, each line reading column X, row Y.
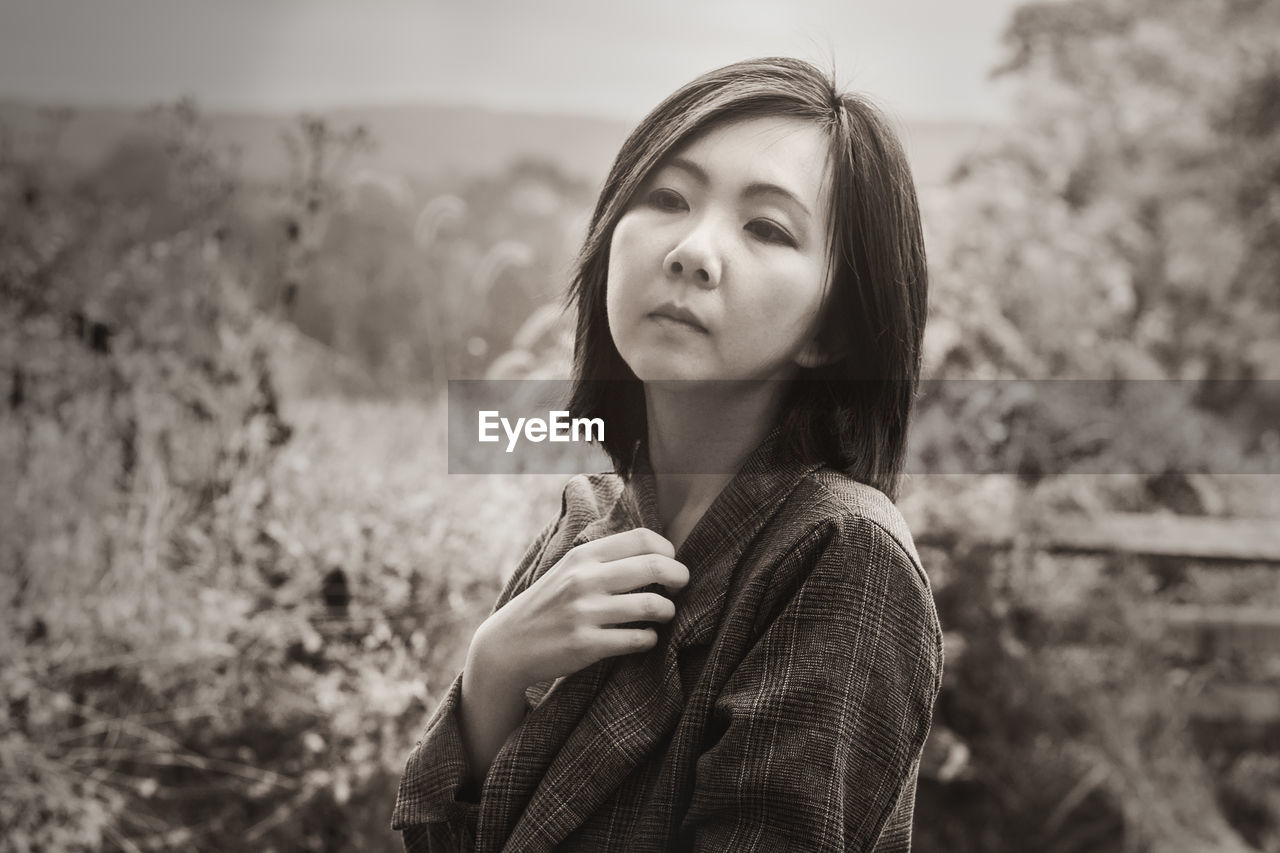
column 565, row 620
column 560, row 624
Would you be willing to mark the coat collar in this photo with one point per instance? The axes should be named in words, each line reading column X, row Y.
column 718, row 540
column 595, row 726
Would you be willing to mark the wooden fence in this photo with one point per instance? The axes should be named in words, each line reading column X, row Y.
column 1210, row 630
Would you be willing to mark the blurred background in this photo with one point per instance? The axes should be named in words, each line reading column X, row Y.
column 244, row 246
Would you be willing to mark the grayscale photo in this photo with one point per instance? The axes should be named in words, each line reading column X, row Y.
column 640, row 427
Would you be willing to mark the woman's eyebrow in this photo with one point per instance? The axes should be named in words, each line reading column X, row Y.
column 758, row 188
column 755, row 188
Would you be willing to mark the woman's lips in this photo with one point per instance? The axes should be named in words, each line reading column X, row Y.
column 678, row 315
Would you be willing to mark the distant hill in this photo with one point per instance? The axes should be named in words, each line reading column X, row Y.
column 431, row 141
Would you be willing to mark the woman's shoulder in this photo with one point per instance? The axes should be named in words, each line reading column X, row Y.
column 835, row 511
column 831, row 518
column 839, row 546
column 857, row 539
column 851, row 500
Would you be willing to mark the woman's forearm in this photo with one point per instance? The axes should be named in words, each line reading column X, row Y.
column 492, row 707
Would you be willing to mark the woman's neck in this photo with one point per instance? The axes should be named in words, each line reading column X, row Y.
column 698, row 438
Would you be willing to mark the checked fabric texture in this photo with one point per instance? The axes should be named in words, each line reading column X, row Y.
column 785, row 707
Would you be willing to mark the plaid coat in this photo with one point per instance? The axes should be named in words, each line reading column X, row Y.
column 785, row 706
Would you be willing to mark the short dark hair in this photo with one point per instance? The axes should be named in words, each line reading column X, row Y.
column 853, row 413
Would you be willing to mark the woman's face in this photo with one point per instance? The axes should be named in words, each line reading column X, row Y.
column 717, row 268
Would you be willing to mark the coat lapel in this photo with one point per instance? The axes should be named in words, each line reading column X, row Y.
column 590, row 730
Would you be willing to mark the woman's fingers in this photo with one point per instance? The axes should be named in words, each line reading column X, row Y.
column 639, row 571
column 634, row 607
column 610, row 642
column 630, row 543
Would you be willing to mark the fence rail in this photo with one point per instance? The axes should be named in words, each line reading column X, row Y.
column 1224, row 540
column 1250, row 630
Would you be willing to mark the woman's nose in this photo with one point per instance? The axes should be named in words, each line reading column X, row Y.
column 696, row 257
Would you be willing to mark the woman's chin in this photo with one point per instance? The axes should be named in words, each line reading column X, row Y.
column 662, row 368
column 673, row 381
column 661, row 371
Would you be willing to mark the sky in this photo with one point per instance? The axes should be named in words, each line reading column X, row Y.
column 926, row 59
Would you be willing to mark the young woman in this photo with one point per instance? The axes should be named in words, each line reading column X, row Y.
column 751, row 300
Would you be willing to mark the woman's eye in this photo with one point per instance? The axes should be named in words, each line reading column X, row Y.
column 665, row 199
column 770, row 232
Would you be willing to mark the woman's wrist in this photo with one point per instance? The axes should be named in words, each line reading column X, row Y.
column 488, row 672
column 492, row 706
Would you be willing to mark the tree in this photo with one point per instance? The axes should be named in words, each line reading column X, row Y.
column 1132, row 223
